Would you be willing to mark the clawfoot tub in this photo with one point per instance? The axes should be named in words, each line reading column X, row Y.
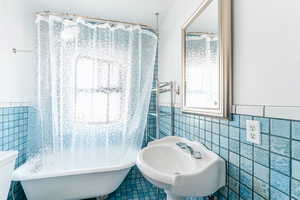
column 71, row 184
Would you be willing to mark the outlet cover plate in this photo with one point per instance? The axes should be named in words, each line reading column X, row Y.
column 253, row 131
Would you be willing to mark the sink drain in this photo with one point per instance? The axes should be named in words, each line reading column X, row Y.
column 176, row 173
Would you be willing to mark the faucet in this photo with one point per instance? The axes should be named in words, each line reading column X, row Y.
column 189, row 149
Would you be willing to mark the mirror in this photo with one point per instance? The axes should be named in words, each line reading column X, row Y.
column 206, row 60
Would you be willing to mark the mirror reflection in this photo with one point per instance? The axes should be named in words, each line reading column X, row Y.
column 202, row 80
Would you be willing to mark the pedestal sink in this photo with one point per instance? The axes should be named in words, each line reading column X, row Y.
column 182, row 167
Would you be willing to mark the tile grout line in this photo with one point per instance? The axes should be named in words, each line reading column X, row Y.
column 211, row 135
column 270, row 121
column 290, row 192
column 252, row 165
column 240, row 158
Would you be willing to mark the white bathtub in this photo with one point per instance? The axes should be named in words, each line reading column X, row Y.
column 65, row 183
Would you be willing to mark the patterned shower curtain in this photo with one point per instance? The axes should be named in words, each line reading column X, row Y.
column 93, row 90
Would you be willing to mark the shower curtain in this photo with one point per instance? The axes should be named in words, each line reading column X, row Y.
column 94, row 85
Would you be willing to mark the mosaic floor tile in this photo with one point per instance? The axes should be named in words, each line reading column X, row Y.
column 135, row 189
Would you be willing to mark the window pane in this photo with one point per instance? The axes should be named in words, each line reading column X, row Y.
column 114, row 76
column 83, row 107
column 93, row 104
column 102, row 75
column 99, row 108
column 84, row 73
column 114, row 106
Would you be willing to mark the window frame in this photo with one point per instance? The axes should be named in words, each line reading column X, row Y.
column 106, row 90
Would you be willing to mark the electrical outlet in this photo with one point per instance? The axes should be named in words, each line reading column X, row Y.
column 253, row 131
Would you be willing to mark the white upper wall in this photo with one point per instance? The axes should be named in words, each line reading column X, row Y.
column 266, row 50
column 17, row 30
column 17, row 71
column 266, row 43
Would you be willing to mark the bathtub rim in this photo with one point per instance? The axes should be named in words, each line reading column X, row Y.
column 73, row 172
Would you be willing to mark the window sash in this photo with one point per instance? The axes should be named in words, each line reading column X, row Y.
column 95, row 90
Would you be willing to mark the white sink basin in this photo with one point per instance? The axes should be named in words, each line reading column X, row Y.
column 169, row 167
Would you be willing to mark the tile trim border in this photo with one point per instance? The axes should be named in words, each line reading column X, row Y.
column 250, row 110
column 280, row 112
column 14, row 104
column 283, row 112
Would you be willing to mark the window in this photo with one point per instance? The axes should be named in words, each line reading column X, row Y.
column 97, row 90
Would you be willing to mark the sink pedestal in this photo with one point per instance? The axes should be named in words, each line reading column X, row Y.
column 171, row 196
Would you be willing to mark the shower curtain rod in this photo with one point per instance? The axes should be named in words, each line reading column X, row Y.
column 47, row 13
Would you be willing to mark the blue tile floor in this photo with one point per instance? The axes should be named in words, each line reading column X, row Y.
column 136, row 187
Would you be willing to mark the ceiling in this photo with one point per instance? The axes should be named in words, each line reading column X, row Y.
column 137, row 11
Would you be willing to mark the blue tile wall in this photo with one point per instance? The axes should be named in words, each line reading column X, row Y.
column 270, row 170
column 151, row 120
column 13, row 136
